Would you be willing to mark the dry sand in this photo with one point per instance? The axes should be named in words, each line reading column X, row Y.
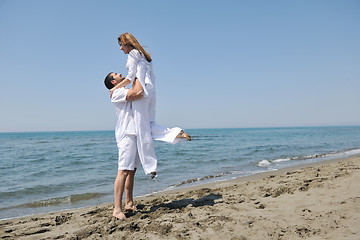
column 318, row 201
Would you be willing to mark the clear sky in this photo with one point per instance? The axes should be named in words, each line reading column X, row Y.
column 218, row 64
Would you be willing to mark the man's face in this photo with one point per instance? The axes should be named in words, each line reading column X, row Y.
column 117, row 78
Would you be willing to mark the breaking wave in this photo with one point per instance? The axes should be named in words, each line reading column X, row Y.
column 350, row 152
column 59, row 201
column 194, row 180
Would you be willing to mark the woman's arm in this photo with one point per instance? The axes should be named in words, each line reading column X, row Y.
column 121, row 84
column 131, row 64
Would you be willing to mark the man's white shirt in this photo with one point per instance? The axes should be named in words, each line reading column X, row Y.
column 123, row 108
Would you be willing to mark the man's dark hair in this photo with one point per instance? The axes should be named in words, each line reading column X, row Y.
column 108, row 80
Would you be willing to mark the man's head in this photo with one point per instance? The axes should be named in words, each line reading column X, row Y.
column 113, row 79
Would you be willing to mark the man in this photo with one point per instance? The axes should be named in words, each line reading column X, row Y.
column 125, row 134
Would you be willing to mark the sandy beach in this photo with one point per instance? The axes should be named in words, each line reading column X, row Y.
column 317, row 201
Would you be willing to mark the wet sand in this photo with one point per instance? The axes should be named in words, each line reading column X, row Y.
column 316, row 201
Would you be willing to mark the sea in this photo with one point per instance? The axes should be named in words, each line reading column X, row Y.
column 51, row 171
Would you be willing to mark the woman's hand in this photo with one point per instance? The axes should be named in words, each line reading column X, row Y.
column 112, row 91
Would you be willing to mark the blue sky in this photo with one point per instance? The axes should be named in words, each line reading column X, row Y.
column 217, row 64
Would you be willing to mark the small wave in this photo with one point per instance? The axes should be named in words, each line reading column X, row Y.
column 37, row 190
column 353, row 151
column 263, row 163
column 285, row 159
column 87, row 144
column 199, row 179
column 58, row 201
column 41, row 159
column 348, row 152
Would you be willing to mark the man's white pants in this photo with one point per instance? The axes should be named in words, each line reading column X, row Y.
column 128, row 154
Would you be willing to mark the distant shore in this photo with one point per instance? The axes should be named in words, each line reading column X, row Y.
column 317, row 201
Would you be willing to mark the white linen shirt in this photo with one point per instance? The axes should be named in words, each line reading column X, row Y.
column 139, row 67
column 123, row 108
column 134, row 57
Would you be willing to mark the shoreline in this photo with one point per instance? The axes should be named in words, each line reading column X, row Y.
column 281, row 204
column 242, row 179
column 210, row 184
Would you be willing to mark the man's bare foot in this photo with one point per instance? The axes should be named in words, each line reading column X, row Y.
column 130, row 208
column 153, row 175
column 119, row 214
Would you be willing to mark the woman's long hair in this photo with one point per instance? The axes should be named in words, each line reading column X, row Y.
column 128, row 38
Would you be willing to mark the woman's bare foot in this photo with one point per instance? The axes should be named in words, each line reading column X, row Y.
column 119, row 214
column 187, row 136
column 183, row 134
column 153, row 175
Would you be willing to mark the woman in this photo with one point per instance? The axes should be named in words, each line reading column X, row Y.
column 139, row 66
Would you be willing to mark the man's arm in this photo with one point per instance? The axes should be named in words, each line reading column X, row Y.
column 135, row 92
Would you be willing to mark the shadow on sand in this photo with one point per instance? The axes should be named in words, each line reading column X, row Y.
column 208, row 200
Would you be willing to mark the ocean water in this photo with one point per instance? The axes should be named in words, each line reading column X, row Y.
column 51, row 171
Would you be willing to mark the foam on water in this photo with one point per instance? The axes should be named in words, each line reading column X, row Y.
column 337, row 154
column 58, row 201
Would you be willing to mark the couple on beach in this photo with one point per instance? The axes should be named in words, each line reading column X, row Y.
column 136, row 129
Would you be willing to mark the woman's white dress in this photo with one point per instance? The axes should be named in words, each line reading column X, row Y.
column 144, row 112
